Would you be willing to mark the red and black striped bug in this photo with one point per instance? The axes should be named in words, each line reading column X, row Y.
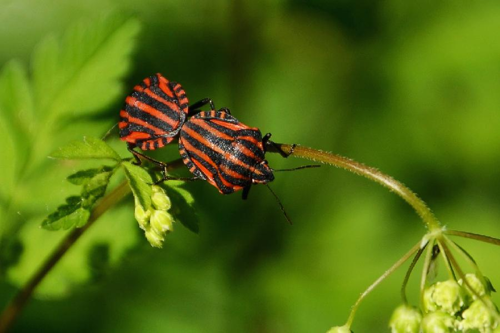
column 154, row 114
column 218, row 148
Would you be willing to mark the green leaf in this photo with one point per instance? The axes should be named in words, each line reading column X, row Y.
column 76, row 211
column 81, row 73
column 71, row 214
column 16, row 97
column 89, row 148
column 16, row 107
column 182, row 206
column 83, row 176
column 96, row 187
column 140, row 182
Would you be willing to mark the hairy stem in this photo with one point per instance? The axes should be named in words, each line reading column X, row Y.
column 371, row 173
column 19, row 301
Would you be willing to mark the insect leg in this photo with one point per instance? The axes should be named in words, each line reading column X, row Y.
column 185, row 179
column 268, row 143
column 138, row 160
column 195, row 108
column 246, row 190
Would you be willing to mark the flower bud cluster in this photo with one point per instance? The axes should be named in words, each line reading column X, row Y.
column 449, row 306
column 156, row 221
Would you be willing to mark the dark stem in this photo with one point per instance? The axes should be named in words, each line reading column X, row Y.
column 17, row 304
column 409, row 271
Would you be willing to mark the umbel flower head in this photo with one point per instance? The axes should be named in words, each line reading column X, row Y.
column 156, row 221
column 446, row 296
column 449, row 307
column 405, row 319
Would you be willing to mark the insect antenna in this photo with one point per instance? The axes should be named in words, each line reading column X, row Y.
column 299, row 168
column 280, row 204
column 106, row 135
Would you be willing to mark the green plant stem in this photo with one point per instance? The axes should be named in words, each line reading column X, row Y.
column 388, row 272
column 19, row 301
column 491, row 307
column 425, row 270
column 371, row 173
column 409, row 271
column 482, row 238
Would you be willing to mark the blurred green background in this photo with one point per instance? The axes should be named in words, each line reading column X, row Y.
column 410, row 88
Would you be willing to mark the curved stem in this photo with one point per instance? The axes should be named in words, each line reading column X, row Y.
column 17, row 304
column 409, row 271
column 388, row 272
column 371, row 173
column 489, row 305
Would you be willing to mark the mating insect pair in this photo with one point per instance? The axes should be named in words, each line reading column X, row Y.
column 214, row 145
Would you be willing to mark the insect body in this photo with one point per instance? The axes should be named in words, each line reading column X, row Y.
column 218, row 148
column 153, row 113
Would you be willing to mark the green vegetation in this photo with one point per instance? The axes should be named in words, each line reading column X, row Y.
column 409, row 89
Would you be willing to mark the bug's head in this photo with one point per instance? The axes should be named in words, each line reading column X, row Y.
column 262, row 173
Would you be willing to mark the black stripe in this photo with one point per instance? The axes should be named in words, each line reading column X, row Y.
column 215, row 172
column 245, row 173
column 148, row 118
column 222, row 129
column 214, row 156
column 224, row 145
column 205, row 115
column 162, row 107
column 189, row 164
column 157, row 90
column 154, row 80
column 258, row 152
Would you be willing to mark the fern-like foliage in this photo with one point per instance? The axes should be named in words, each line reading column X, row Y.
column 70, row 78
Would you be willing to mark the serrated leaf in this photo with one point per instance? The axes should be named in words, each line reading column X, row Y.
column 140, row 182
column 80, row 73
column 83, row 176
column 76, row 211
column 96, row 187
column 89, row 148
column 182, row 206
column 72, row 214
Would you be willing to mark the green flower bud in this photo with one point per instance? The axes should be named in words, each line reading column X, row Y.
column 154, row 239
column 447, row 296
column 476, row 285
column 479, row 317
column 405, row 319
column 339, row 329
column 160, row 199
column 161, row 222
column 438, row 322
column 142, row 216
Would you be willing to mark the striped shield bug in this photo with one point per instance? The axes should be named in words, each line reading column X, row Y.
column 154, row 114
column 220, row 149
